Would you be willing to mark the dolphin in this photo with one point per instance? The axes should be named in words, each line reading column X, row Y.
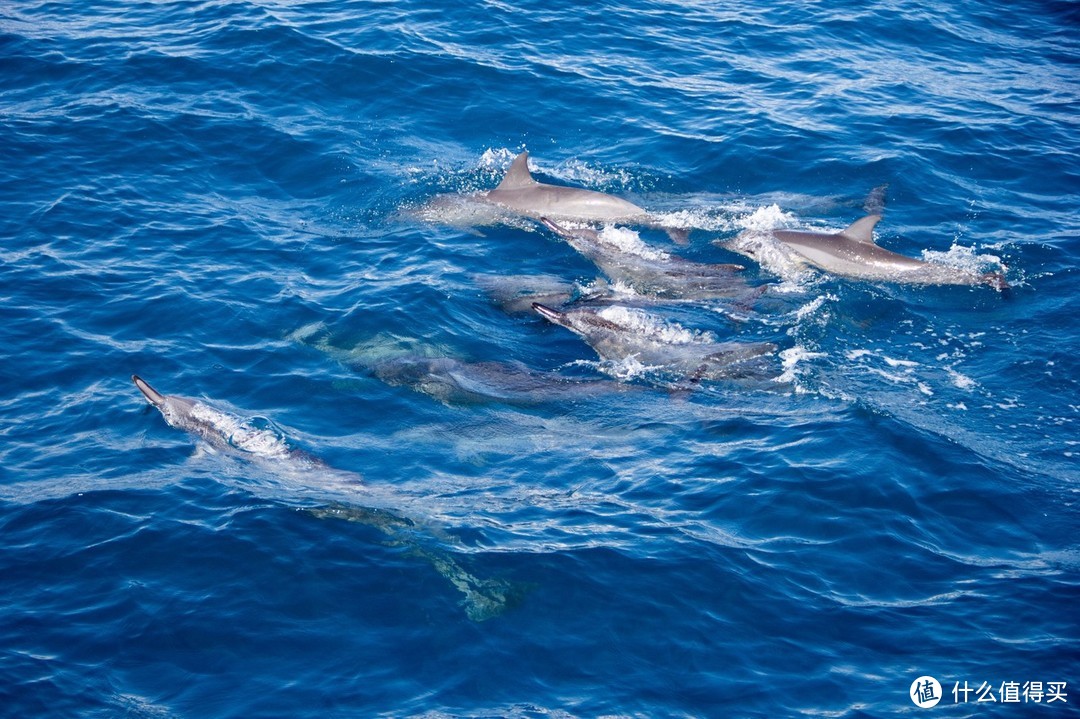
column 483, row 598
column 653, row 272
column 453, row 381
column 523, row 195
column 619, row 334
column 853, row 253
column 516, row 293
column 222, row 430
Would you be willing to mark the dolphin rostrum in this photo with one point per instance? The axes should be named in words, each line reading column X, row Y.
column 483, row 598
column 853, row 253
column 653, row 272
column 620, row 334
column 523, row 195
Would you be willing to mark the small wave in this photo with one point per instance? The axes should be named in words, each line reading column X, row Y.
column 629, row 241
column 965, row 258
column 258, row 437
column 654, row 328
column 791, row 359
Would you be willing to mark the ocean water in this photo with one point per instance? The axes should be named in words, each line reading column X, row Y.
column 425, row 503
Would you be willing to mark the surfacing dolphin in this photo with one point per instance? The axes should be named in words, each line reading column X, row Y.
column 653, row 272
column 483, row 598
column 621, row 334
column 520, row 193
column 853, row 253
column 222, row 430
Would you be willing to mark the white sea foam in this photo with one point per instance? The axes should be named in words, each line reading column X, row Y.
column 653, row 328
column 790, row 360
column 496, row 159
column 621, row 289
column 811, row 308
column 709, row 219
column 630, row 242
column 766, row 219
column 690, row 219
column 965, row 258
column 581, row 173
column 959, row 380
column 245, row 436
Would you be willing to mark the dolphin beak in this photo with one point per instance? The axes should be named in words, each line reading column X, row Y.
column 549, row 314
column 557, row 229
column 152, row 395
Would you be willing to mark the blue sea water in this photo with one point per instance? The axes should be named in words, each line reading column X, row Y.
column 238, row 202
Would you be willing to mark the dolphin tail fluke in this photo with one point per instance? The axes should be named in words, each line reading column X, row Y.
column 152, row 395
column 483, row 598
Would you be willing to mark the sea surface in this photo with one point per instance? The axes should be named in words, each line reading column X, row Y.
column 430, row 502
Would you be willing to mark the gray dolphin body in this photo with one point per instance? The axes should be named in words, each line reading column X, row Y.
column 652, row 272
column 483, row 598
column 523, row 195
column 853, row 253
column 221, row 430
column 689, row 358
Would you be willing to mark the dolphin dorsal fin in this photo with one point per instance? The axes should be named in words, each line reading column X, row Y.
column 862, row 230
column 518, row 175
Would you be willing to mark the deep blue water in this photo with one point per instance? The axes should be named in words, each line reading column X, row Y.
column 233, row 200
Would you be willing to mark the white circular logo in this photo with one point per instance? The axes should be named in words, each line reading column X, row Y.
column 925, row 692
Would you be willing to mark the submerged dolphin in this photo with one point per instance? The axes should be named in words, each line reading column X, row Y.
column 484, row 598
column 652, row 272
column 452, row 381
column 619, row 334
column 523, row 195
column 515, row 294
column 853, row 253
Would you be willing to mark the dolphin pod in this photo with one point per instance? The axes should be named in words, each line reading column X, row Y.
column 853, row 253
column 615, row 333
column 850, row 253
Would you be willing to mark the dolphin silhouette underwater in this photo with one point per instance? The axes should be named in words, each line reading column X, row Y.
column 483, row 598
column 520, row 193
column 453, row 381
column 853, row 253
